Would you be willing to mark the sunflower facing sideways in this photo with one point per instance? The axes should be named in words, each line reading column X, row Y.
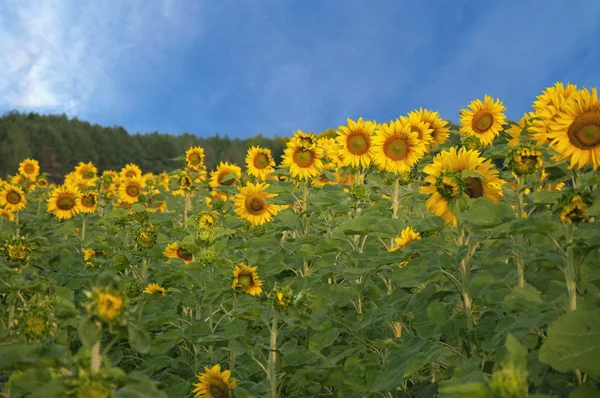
column 355, row 142
column 12, row 198
column 424, row 131
column 130, row 189
column 547, row 107
column 86, row 170
column 446, row 182
column 395, row 148
column 213, row 383
column 484, row 120
column 304, row 162
column 194, row 157
column 251, row 204
column 225, row 175
column 260, row 162
column 246, row 280
column 575, row 133
column 174, row 251
column 29, row 168
column 439, row 127
column 63, row 202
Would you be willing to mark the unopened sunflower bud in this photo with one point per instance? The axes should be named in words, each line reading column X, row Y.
column 471, row 142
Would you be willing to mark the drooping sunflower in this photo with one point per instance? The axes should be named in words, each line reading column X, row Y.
column 251, row 204
column 155, row 288
column 131, row 171
column 423, row 129
column 407, row 236
column 308, row 140
column 484, row 119
column 174, row 251
column 225, row 175
column 12, row 198
column 246, row 280
column 86, row 170
column 259, row 162
column 355, row 142
column 575, row 132
column 87, row 202
column 396, row 148
column 524, row 159
column 304, row 162
column 130, row 189
column 194, row 157
column 29, row 168
column 213, row 383
column 446, row 182
column 440, row 130
column 7, row 214
column 63, row 202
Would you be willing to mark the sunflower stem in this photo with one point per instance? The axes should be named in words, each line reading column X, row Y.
column 570, row 273
column 83, row 226
column 231, row 353
column 95, row 356
column 395, row 201
column 18, row 231
column 144, row 268
column 464, row 274
column 273, row 357
column 185, row 207
column 519, row 255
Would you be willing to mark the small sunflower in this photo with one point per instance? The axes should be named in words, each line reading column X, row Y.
column 484, row 119
column 63, row 202
column 396, row 149
column 78, row 181
column 185, row 183
column 7, row 214
column 407, row 236
column 516, row 129
column 251, row 204
column 440, row 130
column 174, row 251
column 18, row 179
column 259, row 162
column 575, row 133
column 573, row 205
column 416, row 124
column 87, row 202
column 131, row 171
column 41, row 182
column 29, row 168
column 206, row 220
column 246, row 280
column 304, row 162
column 213, row 383
column 355, row 142
column 194, row 158
column 225, row 175
column 154, row 288
column 130, row 189
column 108, row 306
column 524, row 159
column 446, row 182
column 88, row 254
column 12, row 198
column 86, row 170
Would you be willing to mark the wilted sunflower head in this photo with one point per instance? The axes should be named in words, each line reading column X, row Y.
column 524, row 159
column 573, row 204
column 213, row 383
column 246, row 280
column 18, row 249
column 185, row 183
column 146, row 237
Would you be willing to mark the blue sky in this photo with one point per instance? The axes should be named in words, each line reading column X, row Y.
column 243, row 67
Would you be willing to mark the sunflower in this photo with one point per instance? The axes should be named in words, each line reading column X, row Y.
column 154, row 288
column 9, row 215
column 575, row 132
column 407, row 236
column 174, row 251
column 225, row 175
column 18, row 179
column 446, row 182
column 516, row 129
column 130, row 189
column 355, row 142
column 396, row 148
column 86, row 170
column 88, row 254
column 213, row 383
column 63, row 202
column 87, row 202
column 484, row 119
column 78, row 181
column 259, row 162
column 194, row 157
column 30, row 169
column 416, row 124
column 206, row 220
column 251, row 204
column 440, row 130
column 308, row 140
column 41, row 182
column 185, row 183
column 131, row 171
column 12, row 198
column 108, row 306
column 246, row 280
column 304, row 162
column 524, row 159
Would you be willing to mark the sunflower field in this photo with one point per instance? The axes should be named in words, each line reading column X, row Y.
column 396, row 259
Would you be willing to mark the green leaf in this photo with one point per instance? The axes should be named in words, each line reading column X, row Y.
column 324, row 338
column 587, row 390
column 357, row 226
column 546, row 197
column 470, row 390
column 483, row 212
column 139, row 339
column 574, row 342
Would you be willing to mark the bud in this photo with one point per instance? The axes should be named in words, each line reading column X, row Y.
column 359, row 192
column 450, row 185
column 472, row 143
column 281, row 297
column 207, row 255
column 509, row 382
column 146, row 237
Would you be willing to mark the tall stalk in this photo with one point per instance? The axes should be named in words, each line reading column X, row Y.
column 272, row 373
column 464, row 275
column 570, row 272
column 518, row 253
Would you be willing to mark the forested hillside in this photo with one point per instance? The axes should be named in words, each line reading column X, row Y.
column 59, row 143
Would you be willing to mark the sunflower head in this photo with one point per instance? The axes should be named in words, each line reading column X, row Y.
column 450, row 184
column 18, row 249
column 471, row 142
column 308, row 140
column 252, row 204
column 93, row 389
column 524, row 159
column 246, row 280
column 63, row 202
column 174, row 251
column 483, row 119
column 130, row 171
column 509, row 381
column 87, row 203
column 153, row 288
column 355, row 142
column 281, row 297
column 439, row 127
column 397, row 148
column 130, row 189
column 108, row 305
column 213, row 383
column 146, row 237
column 303, row 161
column 225, row 175
column 12, row 198
column 186, row 183
column 41, row 182
column 86, row 170
column 259, row 162
column 30, row 169
column 194, row 157
column 7, row 214
column 573, row 205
